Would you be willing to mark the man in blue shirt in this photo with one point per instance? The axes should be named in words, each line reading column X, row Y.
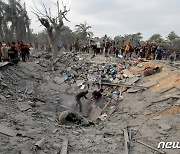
column 159, row 53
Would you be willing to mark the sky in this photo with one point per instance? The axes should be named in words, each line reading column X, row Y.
column 116, row 17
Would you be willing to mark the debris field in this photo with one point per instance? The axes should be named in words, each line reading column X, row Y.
column 136, row 113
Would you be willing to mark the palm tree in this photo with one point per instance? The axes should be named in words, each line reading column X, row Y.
column 156, row 38
column 172, row 37
column 83, row 30
column 14, row 22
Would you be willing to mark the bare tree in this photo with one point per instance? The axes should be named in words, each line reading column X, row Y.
column 53, row 25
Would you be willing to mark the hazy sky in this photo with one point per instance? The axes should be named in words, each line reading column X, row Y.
column 118, row 17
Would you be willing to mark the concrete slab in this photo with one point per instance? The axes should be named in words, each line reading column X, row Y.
column 6, row 131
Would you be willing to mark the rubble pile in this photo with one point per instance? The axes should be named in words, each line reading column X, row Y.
column 136, row 113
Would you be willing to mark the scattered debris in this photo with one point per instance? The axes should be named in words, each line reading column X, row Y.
column 51, row 89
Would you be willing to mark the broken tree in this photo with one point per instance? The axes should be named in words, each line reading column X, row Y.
column 54, row 25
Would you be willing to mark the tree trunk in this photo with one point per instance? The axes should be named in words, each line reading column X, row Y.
column 53, row 43
column 54, row 50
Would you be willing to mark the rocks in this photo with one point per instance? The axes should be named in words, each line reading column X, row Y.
column 79, row 82
column 71, row 71
column 58, row 80
column 40, row 143
column 3, row 115
column 24, row 106
column 2, row 98
column 165, row 127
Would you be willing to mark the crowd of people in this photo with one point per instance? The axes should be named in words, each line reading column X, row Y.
column 149, row 51
column 14, row 52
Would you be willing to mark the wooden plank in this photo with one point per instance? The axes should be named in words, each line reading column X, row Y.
column 6, row 131
column 105, row 107
column 133, row 90
column 99, row 62
column 166, row 90
column 166, row 97
column 132, row 80
column 120, row 84
column 96, row 112
column 112, row 110
column 150, row 147
column 126, row 141
column 64, row 149
column 149, row 84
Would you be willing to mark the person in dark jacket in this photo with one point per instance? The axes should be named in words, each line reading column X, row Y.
column 97, row 95
column 13, row 54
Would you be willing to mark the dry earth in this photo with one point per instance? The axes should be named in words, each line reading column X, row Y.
column 31, row 100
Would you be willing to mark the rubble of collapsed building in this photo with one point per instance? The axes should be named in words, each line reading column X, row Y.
column 140, row 107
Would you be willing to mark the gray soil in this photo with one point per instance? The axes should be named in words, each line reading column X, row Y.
column 30, row 101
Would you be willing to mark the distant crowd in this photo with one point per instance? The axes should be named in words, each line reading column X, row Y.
column 149, row 51
column 14, row 52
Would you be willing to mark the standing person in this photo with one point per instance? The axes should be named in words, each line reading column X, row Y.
column 70, row 47
column 5, row 53
column 78, row 99
column 159, row 53
column 149, row 50
column 117, row 49
column 107, row 45
column 101, row 47
column 142, row 52
column 153, row 51
column 36, row 45
column 76, row 45
column 127, row 49
column 94, row 47
column 131, row 51
column 98, row 45
column 23, row 51
column 13, row 53
column 27, row 52
column 122, row 50
column 136, row 51
column 46, row 47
